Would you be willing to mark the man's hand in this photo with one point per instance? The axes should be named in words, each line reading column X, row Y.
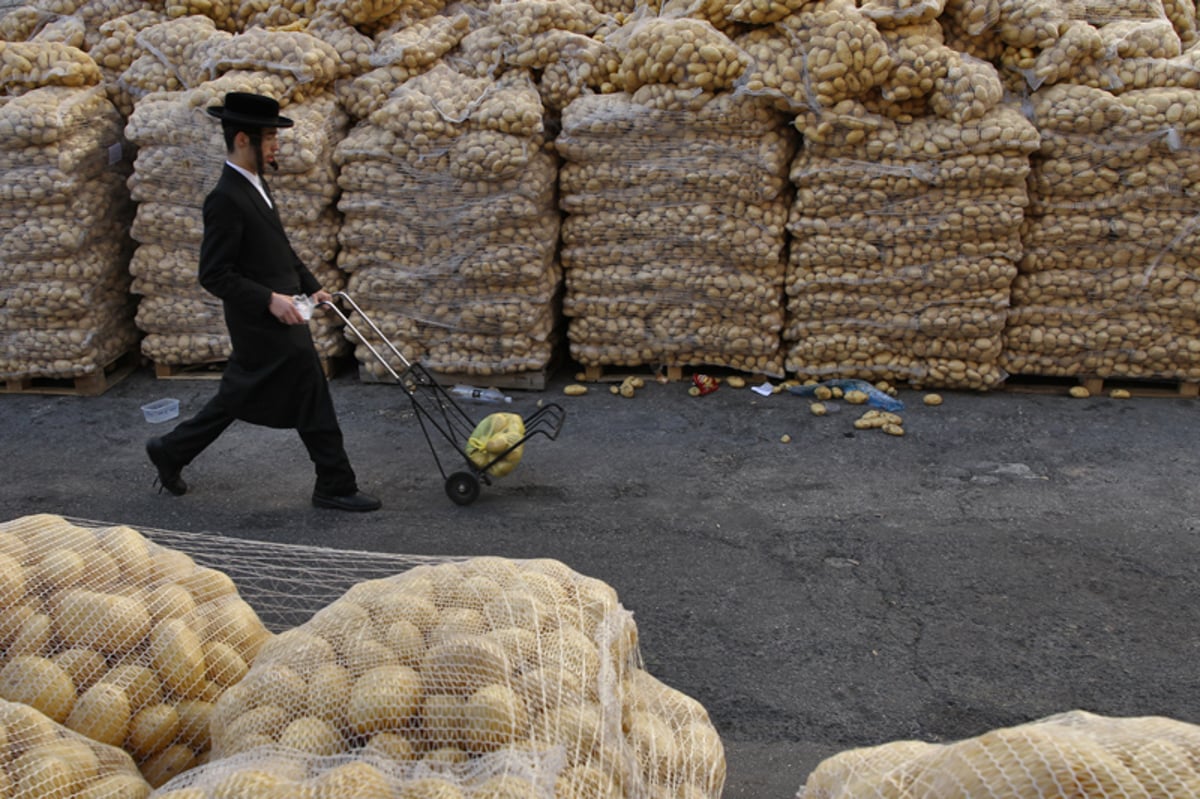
column 321, row 295
column 283, row 309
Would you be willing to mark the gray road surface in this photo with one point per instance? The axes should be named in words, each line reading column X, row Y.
column 1013, row 556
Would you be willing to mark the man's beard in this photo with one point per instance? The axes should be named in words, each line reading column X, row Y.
column 259, row 159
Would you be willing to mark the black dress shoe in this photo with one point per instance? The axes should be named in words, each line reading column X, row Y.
column 358, row 501
column 168, row 475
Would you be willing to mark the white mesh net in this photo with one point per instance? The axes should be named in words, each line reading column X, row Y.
column 389, row 675
column 120, row 639
column 1074, row 755
column 40, row 759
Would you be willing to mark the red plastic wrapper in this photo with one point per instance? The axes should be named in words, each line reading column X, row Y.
column 706, row 384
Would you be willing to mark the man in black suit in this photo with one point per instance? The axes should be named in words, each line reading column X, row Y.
column 274, row 376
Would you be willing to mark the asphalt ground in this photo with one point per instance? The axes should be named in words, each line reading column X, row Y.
column 1011, row 556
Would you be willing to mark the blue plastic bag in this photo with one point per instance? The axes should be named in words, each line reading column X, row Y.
column 875, row 397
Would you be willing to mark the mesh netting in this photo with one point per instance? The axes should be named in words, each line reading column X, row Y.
column 41, row 759
column 232, row 668
column 483, row 677
column 1075, row 755
column 120, row 639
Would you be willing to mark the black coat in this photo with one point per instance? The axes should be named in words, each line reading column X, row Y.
column 274, row 375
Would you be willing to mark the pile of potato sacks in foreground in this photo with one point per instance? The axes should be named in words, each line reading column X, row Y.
column 1073, row 754
column 487, row 677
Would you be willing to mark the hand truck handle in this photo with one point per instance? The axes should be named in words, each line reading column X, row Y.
column 379, row 333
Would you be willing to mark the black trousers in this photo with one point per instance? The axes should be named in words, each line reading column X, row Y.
column 335, row 477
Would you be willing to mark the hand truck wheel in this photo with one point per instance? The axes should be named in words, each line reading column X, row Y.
column 462, row 488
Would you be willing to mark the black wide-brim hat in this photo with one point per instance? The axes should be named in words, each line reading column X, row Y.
column 251, row 110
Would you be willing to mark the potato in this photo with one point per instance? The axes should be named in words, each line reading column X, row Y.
column 194, row 718
column 328, row 693
column 102, row 713
column 384, row 698
column 430, row 788
column 393, row 746
column 107, row 622
column 153, row 729
column 12, row 581
column 505, row 786
column 32, row 636
column 58, row 569
column 84, row 666
column 223, row 664
column 205, row 584
column 356, row 779
column 178, row 657
column 932, row 399
column 59, row 769
column 312, row 735
column 585, row 782
column 39, row 683
column 575, row 390
column 168, row 763
column 167, row 601
column 140, row 683
column 116, row 786
column 493, row 717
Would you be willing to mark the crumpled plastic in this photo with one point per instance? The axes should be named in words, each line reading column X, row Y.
column 875, row 397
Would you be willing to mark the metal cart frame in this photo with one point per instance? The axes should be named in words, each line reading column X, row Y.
column 437, row 412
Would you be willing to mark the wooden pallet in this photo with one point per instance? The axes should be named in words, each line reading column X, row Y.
column 212, row 370
column 518, row 381
column 1100, row 386
column 92, row 385
column 664, row 374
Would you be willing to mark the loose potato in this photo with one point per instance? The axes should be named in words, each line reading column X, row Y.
column 575, row 390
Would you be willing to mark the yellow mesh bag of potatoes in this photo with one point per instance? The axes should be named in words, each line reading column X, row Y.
column 30, row 65
column 1070, row 754
column 495, row 443
column 120, row 639
column 487, row 677
column 40, row 759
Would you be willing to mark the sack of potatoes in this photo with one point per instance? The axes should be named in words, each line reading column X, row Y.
column 119, row 639
column 1134, row 756
column 484, row 677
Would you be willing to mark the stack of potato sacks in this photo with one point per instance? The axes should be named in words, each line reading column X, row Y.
column 488, row 678
column 64, row 305
column 1070, row 754
column 910, row 192
column 677, row 198
column 181, row 153
column 108, row 637
column 448, row 195
column 1109, row 282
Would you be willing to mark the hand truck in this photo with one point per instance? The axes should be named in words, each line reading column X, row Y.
column 438, row 413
